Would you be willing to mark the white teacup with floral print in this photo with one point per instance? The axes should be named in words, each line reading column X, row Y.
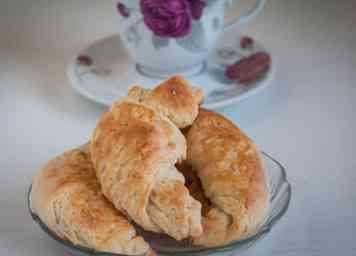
column 168, row 37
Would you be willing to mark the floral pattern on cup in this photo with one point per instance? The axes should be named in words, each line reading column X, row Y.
column 171, row 18
column 177, row 20
column 216, row 23
column 123, row 10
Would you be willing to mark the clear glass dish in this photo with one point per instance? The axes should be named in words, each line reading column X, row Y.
column 280, row 195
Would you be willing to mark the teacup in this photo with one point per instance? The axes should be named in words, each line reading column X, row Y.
column 167, row 37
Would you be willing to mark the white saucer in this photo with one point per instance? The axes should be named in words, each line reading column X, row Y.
column 112, row 72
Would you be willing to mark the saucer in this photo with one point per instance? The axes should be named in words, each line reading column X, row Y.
column 103, row 72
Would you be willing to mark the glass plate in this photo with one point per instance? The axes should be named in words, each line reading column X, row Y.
column 280, row 195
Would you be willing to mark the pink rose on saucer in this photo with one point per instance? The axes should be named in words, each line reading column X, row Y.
column 171, row 18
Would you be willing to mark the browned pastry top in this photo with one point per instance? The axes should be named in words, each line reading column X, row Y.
column 233, row 178
column 66, row 196
column 174, row 98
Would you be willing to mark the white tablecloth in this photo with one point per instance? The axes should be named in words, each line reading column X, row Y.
column 306, row 119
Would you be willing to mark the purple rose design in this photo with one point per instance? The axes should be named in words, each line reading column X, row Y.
column 196, row 8
column 171, row 18
column 121, row 8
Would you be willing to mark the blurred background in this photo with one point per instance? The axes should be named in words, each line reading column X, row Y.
column 306, row 119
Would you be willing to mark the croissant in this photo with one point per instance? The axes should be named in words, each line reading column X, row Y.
column 66, row 196
column 232, row 174
column 134, row 148
column 173, row 98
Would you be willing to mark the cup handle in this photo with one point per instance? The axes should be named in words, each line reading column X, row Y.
column 246, row 17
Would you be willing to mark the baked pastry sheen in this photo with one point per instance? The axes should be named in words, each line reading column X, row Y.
column 134, row 149
column 233, row 178
column 129, row 172
column 66, row 196
column 173, row 98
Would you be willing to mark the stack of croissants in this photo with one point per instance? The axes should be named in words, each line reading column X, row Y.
column 157, row 160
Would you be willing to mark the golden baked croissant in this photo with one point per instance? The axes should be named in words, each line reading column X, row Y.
column 134, row 149
column 233, row 178
column 66, row 196
column 173, row 98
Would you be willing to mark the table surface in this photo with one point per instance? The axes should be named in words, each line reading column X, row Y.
column 306, row 119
